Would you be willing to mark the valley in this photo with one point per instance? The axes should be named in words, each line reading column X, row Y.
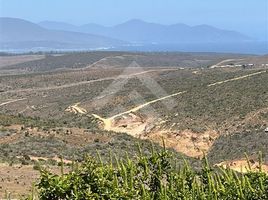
column 68, row 105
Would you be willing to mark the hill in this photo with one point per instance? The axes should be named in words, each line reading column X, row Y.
column 248, row 61
column 66, row 106
column 18, row 35
column 144, row 36
column 138, row 31
column 22, row 34
column 205, row 102
column 113, row 59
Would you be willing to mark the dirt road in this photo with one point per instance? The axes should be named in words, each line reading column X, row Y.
column 224, row 61
column 236, row 78
column 109, row 121
column 11, row 101
column 84, row 82
column 76, row 109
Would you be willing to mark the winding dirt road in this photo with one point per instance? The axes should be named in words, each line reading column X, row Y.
column 109, row 121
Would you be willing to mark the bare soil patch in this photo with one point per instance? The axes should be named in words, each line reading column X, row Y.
column 18, row 179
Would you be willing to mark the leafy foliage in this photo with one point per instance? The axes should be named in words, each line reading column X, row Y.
column 150, row 177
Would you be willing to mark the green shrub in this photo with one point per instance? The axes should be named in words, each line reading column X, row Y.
column 150, row 177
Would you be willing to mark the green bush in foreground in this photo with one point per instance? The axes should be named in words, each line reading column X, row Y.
column 151, row 177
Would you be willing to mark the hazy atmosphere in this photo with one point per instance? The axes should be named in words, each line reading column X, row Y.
column 134, row 99
column 246, row 16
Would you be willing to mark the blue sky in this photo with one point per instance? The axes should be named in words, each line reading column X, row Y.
column 247, row 16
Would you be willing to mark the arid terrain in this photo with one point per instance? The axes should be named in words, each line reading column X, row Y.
column 59, row 107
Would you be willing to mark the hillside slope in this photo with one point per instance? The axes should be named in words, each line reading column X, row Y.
column 138, row 31
column 18, row 33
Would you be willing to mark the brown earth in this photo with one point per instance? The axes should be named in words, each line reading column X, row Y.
column 243, row 166
column 12, row 60
column 55, row 96
column 187, row 142
column 18, row 180
column 73, row 136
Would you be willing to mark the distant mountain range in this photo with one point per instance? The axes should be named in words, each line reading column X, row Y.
column 19, row 34
column 22, row 34
column 138, row 31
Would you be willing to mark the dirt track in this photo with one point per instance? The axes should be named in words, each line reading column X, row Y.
column 83, row 82
column 224, row 61
column 11, row 101
column 76, row 109
column 108, row 121
column 236, row 78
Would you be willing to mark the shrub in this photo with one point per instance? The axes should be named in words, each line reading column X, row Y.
column 150, row 177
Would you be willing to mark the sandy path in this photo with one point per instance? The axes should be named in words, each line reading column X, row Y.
column 146, row 104
column 57, row 87
column 84, row 82
column 109, row 57
column 236, row 78
column 98, row 61
column 108, row 121
column 11, row 101
column 224, row 61
column 76, row 109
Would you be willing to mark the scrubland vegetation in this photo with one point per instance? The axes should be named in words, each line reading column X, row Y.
column 154, row 176
column 36, row 127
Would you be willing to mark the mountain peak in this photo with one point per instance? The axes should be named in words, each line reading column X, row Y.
column 16, row 21
column 132, row 23
column 135, row 21
column 18, row 33
column 134, row 31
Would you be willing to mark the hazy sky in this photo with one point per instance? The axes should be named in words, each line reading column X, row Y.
column 246, row 16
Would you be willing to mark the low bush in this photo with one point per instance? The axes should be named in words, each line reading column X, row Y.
column 150, row 177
